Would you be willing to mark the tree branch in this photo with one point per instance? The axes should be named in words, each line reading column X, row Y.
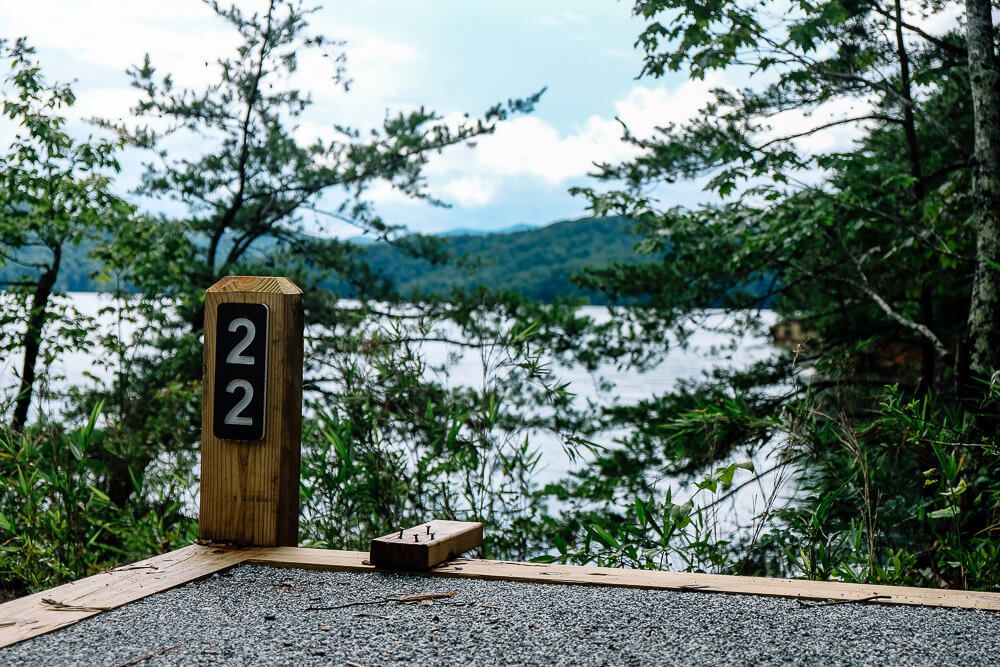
column 905, row 322
column 936, row 41
column 237, row 202
column 824, row 126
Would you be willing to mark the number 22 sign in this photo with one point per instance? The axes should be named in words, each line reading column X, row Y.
column 240, row 371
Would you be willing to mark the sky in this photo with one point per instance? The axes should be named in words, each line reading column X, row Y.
column 452, row 56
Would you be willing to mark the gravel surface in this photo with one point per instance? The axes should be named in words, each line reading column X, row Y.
column 258, row 615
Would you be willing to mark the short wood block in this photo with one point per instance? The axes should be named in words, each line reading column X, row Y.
column 426, row 545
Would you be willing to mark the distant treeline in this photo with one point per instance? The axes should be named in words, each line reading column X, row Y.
column 537, row 263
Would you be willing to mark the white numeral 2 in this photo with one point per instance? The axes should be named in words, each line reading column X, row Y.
column 233, row 416
column 236, row 355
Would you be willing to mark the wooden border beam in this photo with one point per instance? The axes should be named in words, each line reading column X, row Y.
column 355, row 561
column 64, row 605
column 59, row 607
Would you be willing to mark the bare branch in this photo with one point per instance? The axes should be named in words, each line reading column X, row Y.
column 824, row 126
column 936, row 41
column 906, row 322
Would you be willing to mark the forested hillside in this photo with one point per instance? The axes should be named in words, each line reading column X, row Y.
column 538, row 264
column 534, row 262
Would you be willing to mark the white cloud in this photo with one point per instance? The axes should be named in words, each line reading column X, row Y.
column 836, row 137
column 381, row 73
column 380, row 65
column 469, row 191
column 383, row 193
column 118, row 33
column 110, row 103
column 465, row 191
column 530, row 147
column 645, row 109
column 937, row 23
column 185, row 38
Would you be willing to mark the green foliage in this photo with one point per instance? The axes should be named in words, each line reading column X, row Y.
column 872, row 264
column 911, row 498
column 656, row 535
column 57, row 522
column 390, row 423
column 537, row 263
column 253, row 180
column 55, row 193
column 874, row 446
column 397, row 447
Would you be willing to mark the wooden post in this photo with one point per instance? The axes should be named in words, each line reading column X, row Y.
column 252, row 412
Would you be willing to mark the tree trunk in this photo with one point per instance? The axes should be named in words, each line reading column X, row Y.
column 984, row 310
column 33, row 339
column 928, row 352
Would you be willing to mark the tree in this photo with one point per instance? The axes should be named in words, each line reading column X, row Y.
column 984, row 79
column 867, row 246
column 54, row 191
column 856, row 54
column 245, row 195
column 255, row 179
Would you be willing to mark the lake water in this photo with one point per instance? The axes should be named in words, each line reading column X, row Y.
column 699, row 356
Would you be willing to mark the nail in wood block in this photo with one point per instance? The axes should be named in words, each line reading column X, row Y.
column 418, row 548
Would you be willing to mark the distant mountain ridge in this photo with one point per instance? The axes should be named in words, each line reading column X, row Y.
column 467, row 231
column 535, row 261
column 459, row 231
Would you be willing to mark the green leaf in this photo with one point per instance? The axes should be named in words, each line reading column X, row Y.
column 544, row 559
column 607, row 538
column 452, row 436
column 640, row 512
column 709, row 483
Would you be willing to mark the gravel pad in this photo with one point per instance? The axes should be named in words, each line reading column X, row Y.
column 257, row 615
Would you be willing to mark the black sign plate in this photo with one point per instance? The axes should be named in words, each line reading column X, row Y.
column 240, row 371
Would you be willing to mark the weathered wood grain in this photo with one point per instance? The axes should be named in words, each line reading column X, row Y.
column 250, row 491
column 312, row 559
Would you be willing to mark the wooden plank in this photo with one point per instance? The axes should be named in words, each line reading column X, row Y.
column 426, row 545
column 312, row 559
column 718, row 583
column 250, row 489
column 58, row 607
column 356, row 561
